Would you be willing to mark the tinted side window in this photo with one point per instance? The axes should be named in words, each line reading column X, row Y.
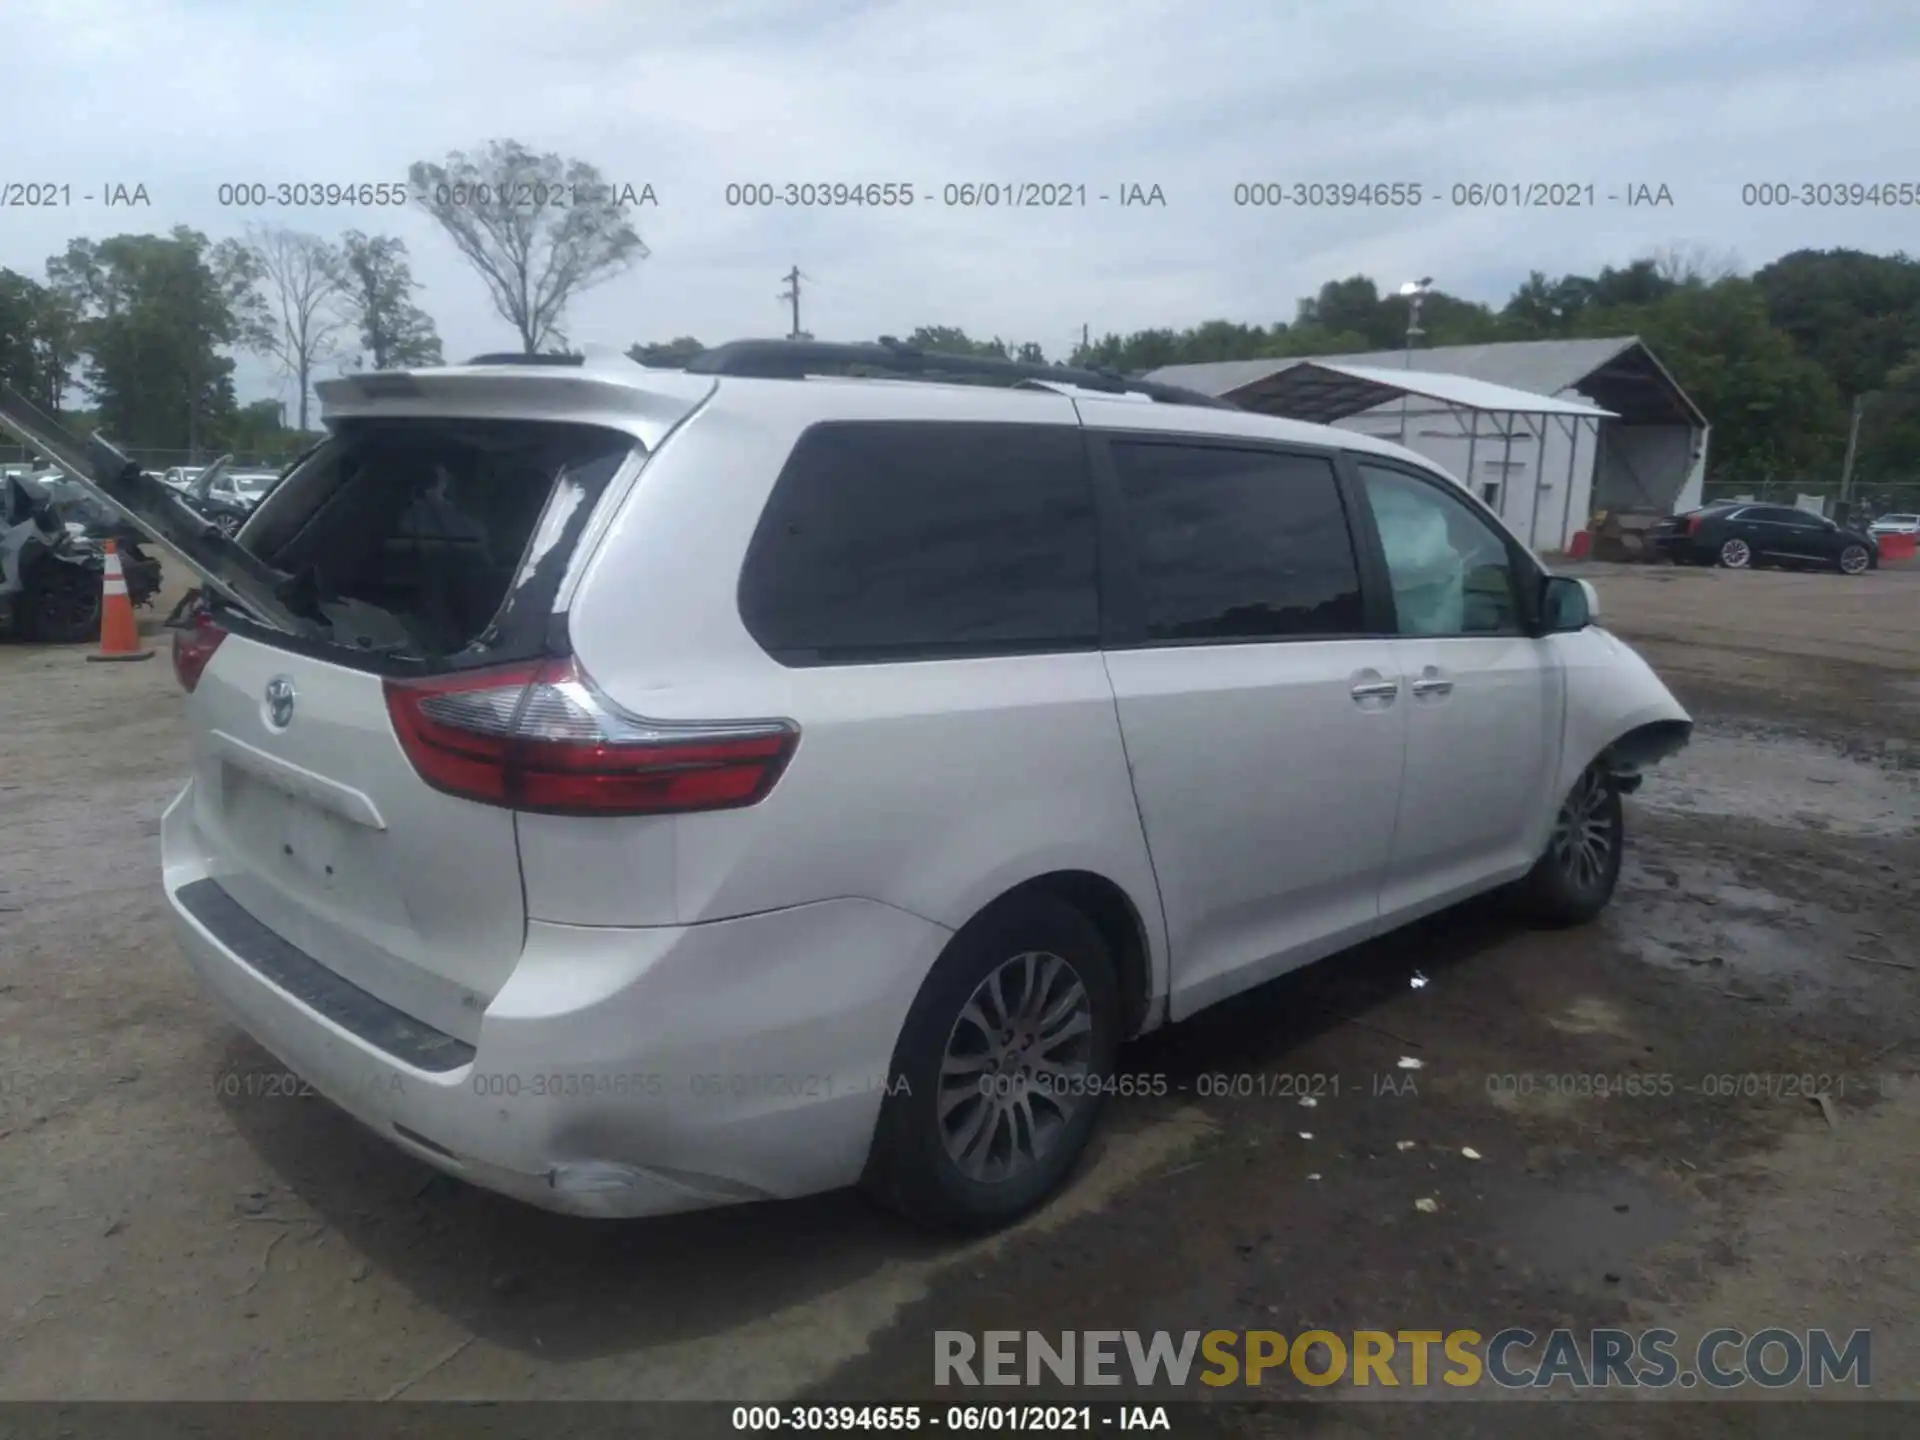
column 1238, row 544
column 916, row 540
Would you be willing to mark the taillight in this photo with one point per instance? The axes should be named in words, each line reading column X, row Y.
column 1693, row 525
column 194, row 641
column 540, row 737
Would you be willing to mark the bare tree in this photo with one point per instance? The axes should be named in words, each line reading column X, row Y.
column 305, row 282
column 539, row 229
column 1695, row 264
column 395, row 334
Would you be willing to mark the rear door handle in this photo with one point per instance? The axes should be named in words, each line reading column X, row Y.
column 1431, row 682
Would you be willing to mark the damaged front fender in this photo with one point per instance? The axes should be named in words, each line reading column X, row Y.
column 1617, row 709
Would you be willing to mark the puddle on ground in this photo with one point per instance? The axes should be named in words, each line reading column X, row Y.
column 1685, row 915
column 1779, row 778
column 1584, row 1232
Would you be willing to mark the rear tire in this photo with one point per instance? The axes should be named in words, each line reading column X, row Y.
column 1736, row 554
column 1575, row 879
column 971, row 1134
column 58, row 604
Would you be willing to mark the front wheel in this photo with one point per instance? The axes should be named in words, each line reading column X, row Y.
column 1574, row 880
column 227, row 525
column 1854, row 560
column 1000, row 1069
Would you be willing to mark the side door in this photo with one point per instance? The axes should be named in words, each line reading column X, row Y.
column 1774, row 531
column 1811, row 537
column 1485, row 696
column 1257, row 700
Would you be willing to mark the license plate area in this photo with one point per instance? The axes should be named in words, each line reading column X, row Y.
column 287, row 836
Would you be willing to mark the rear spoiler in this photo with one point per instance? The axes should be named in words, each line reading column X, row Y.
column 110, row 477
column 647, row 403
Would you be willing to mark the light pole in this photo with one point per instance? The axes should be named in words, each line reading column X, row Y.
column 1414, row 291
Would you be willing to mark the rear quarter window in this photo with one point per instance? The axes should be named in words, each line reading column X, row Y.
column 916, row 540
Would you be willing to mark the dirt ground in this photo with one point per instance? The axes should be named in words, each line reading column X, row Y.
column 171, row 1231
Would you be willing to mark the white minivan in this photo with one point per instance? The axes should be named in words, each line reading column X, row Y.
column 639, row 790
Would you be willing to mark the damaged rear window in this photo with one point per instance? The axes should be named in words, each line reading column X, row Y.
column 436, row 541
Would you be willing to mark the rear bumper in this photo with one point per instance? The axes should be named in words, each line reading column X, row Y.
column 618, row 1072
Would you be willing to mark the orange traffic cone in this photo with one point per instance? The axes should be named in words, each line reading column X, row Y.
column 119, row 631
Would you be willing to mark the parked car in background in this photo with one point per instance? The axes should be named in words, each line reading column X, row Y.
column 181, row 477
column 1895, row 525
column 1741, row 535
column 228, row 497
column 253, row 486
column 770, row 785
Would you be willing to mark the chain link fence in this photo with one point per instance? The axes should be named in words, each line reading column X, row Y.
column 161, row 461
column 1869, row 499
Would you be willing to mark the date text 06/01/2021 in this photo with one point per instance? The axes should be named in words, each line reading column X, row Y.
column 457, row 195
column 955, row 1419
column 1470, row 195
column 61, row 194
column 960, row 195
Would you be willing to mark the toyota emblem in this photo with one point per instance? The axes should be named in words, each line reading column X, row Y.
column 280, row 702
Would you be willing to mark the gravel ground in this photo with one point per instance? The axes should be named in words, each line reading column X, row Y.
column 176, row 1228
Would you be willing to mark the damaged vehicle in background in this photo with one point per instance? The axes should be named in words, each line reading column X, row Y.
column 53, row 559
column 638, row 790
column 227, row 496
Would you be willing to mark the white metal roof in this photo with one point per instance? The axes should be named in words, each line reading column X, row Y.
column 1324, row 391
column 1544, row 367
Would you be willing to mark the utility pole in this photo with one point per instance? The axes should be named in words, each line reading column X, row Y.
column 792, row 296
column 1853, row 446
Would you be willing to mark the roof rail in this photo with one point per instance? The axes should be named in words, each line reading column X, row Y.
column 507, row 357
column 892, row 359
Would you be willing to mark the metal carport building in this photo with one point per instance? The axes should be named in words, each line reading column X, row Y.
column 1650, row 453
column 1486, row 423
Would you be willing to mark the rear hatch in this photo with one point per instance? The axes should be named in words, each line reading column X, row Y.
column 422, row 548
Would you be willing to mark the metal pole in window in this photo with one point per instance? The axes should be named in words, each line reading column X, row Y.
column 1473, row 439
column 1539, row 478
column 1574, row 427
column 1506, row 466
column 1415, row 291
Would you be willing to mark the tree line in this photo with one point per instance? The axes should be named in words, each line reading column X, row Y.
column 1776, row 359
column 136, row 334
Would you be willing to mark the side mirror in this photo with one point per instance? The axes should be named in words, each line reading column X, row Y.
column 1567, row 604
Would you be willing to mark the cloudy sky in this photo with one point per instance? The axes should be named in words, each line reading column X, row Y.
column 1194, row 96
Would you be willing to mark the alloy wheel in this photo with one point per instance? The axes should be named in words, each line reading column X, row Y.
column 1015, row 1069
column 1583, row 837
column 1736, row 555
column 228, row 525
column 1853, row 559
